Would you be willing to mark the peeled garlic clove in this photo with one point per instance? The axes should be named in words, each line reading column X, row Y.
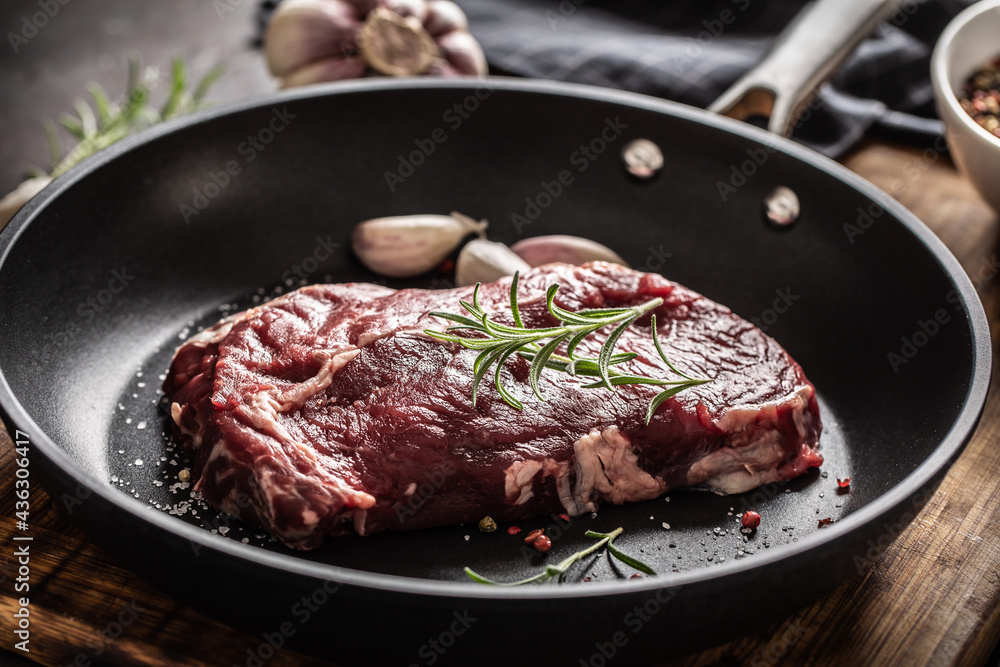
column 303, row 31
column 444, row 16
column 19, row 196
column 483, row 261
column 539, row 250
column 328, row 69
column 409, row 245
column 463, row 52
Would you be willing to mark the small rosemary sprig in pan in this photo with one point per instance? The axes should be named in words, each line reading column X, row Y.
column 498, row 342
column 559, row 570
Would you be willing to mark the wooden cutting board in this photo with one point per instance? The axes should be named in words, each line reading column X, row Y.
column 931, row 598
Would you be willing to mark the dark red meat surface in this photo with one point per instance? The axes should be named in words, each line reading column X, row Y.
column 328, row 410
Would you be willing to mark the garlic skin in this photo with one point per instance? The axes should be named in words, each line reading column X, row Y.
column 575, row 250
column 409, row 245
column 19, row 196
column 310, row 41
column 483, row 261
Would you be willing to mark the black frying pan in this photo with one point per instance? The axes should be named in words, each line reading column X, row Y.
column 104, row 272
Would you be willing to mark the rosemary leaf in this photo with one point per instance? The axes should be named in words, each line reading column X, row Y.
column 497, row 342
column 628, row 560
column 114, row 121
column 560, row 569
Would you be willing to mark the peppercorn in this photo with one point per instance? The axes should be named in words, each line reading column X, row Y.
column 981, row 97
column 750, row 520
column 532, row 536
column 487, row 525
column 542, row 543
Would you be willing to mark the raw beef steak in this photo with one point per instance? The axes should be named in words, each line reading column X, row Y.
column 329, row 409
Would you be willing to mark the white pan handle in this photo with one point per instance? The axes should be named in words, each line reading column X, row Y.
column 804, row 55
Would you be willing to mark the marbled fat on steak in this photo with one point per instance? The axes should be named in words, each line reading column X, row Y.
column 328, row 410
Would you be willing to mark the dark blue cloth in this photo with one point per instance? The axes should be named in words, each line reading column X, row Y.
column 690, row 51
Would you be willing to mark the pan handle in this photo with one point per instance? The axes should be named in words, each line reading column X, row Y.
column 817, row 40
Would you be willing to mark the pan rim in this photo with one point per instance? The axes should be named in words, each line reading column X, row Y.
column 944, row 453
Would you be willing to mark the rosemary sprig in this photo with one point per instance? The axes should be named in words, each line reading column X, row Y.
column 559, row 570
column 498, row 342
column 116, row 120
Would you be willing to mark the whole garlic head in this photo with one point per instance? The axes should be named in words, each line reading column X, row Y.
column 309, row 41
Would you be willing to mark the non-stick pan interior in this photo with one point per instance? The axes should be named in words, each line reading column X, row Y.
column 209, row 216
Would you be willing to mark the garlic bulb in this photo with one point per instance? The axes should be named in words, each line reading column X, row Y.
column 309, row 41
column 409, row 245
column 19, row 196
column 483, row 261
column 540, row 250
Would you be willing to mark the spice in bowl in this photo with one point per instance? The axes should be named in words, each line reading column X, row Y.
column 981, row 98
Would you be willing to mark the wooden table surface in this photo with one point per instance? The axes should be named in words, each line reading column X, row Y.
column 931, row 598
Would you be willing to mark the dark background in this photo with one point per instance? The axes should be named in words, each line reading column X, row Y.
column 91, row 41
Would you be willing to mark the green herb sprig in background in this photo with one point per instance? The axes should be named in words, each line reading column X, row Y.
column 107, row 122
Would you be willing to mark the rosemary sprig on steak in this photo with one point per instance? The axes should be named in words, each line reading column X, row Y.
column 497, row 342
column 559, row 570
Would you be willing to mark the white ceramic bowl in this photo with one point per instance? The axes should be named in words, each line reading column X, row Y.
column 970, row 40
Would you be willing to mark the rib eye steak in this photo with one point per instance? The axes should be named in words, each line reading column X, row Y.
column 329, row 410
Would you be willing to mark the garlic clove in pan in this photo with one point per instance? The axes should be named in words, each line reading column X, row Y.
column 309, row 41
column 540, row 250
column 409, row 245
column 483, row 261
